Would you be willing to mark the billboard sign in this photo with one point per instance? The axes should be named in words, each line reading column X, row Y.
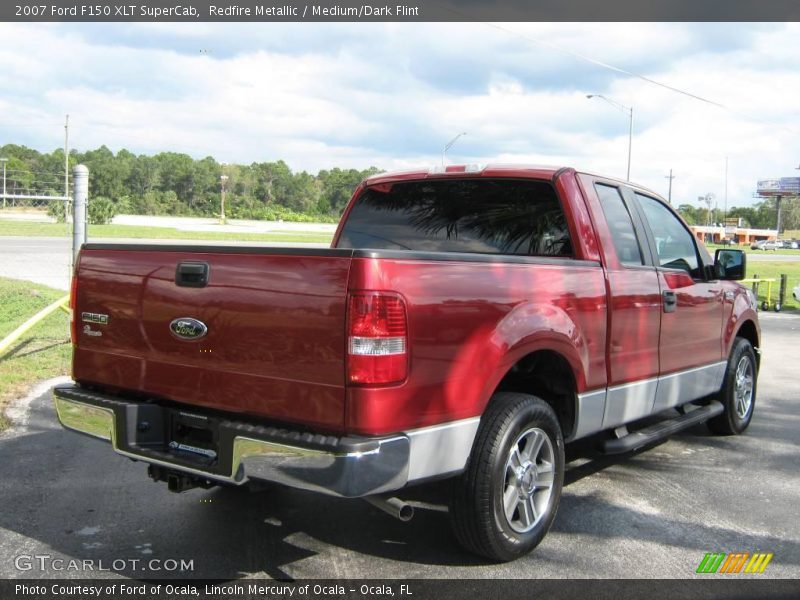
column 790, row 185
column 786, row 186
column 769, row 186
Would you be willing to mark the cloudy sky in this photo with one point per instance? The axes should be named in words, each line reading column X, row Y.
column 391, row 95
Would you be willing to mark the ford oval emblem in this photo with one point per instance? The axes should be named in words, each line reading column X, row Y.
column 187, row 328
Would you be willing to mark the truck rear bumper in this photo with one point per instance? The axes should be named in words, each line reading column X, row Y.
column 234, row 452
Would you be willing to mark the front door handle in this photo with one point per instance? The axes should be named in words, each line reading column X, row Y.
column 670, row 301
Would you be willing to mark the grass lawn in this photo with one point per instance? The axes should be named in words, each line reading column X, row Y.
column 25, row 228
column 43, row 352
column 768, row 269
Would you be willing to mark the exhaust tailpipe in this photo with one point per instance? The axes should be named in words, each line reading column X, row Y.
column 392, row 506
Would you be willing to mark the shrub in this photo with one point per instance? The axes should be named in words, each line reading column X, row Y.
column 55, row 209
column 101, row 210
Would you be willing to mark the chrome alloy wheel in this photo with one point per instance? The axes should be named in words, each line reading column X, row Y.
column 528, row 480
column 743, row 387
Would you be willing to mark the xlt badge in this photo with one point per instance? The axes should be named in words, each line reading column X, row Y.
column 187, row 328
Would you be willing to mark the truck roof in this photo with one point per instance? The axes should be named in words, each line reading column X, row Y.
column 490, row 170
column 496, row 170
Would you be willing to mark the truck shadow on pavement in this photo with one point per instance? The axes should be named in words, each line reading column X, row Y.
column 71, row 497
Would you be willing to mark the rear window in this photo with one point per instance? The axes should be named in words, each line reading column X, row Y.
column 487, row 216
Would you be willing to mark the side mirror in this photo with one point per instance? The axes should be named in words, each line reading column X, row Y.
column 730, row 264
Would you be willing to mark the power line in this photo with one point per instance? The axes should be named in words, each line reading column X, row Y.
column 602, row 64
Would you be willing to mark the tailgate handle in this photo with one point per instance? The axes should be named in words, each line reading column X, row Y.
column 191, row 274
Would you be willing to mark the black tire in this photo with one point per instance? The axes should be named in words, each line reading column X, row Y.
column 477, row 510
column 738, row 412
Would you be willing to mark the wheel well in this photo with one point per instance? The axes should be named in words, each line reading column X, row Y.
column 748, row 332
column 548, row 375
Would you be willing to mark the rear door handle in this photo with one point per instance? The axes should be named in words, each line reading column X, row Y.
column 670, row 301
column 191, row 274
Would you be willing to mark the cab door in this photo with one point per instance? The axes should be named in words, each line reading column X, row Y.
column 690, row 353
column 634, row 305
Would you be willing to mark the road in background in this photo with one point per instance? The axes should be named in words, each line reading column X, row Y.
column 47, row 259
column 649, row 514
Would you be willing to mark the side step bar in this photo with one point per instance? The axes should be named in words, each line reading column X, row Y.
column 662, row 429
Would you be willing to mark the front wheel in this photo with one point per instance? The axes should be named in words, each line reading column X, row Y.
column 738, row 394
column 506, row 500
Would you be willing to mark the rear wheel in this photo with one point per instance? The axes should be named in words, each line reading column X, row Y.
column 506, row 500
column 738, row 394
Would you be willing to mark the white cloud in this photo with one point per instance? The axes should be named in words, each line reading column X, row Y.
column 391, row 95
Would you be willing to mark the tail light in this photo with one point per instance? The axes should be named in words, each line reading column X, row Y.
column 73, row 324
column 377, row 339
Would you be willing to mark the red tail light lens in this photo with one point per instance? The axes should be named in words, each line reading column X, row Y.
column 73, row 322
column 377, row 339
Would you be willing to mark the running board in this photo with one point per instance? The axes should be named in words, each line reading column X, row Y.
column 662, row 429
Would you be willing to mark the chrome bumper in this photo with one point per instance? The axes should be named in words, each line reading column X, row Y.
column 345, row 466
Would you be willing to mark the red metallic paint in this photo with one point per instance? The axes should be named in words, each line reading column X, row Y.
column 276, row 339
column 277, row 324
column 468, row 324
column 634, row 315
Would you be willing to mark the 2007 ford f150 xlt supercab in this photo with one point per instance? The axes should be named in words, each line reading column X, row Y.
column 465, row 323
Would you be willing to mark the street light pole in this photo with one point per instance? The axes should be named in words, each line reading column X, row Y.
column 449, row 144
column 629, row 111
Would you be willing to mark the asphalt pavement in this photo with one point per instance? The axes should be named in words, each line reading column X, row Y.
column 654, row 513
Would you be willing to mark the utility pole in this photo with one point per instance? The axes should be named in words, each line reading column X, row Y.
column 670, row 177
column 725, row 210
column 4, row 161
column 66, row 169
column 223, row 179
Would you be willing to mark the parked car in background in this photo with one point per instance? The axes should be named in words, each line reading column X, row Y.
column 766, row 245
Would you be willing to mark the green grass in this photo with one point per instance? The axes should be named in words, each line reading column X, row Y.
column 25, row 228
column 43, row 352
column 769, row 269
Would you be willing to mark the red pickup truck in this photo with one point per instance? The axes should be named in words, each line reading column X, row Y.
column 465, row 323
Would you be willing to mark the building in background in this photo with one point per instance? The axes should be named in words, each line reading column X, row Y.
column 715, row 234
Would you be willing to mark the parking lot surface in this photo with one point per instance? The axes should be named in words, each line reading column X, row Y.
column 654, row 513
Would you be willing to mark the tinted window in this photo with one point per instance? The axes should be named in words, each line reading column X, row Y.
column 620, row 224
column 494, row 216
column 674, row 243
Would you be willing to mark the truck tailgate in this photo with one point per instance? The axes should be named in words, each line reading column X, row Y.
column 275, row 318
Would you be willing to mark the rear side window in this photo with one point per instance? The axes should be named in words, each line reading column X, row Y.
column 488, row 216
column 619, row 222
